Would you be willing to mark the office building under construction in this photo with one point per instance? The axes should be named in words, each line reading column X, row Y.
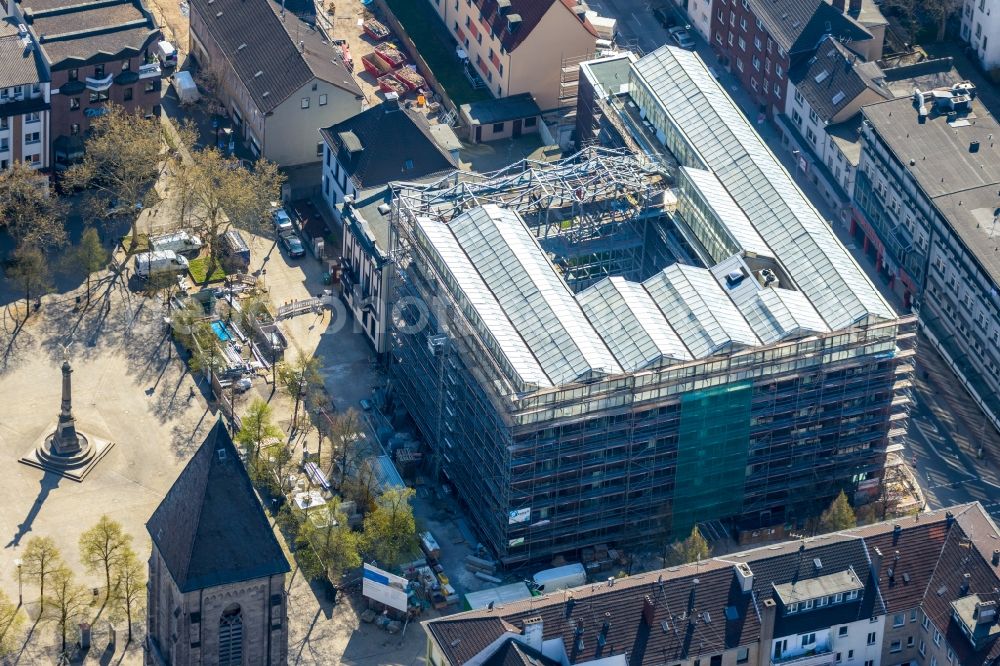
column 615, row 347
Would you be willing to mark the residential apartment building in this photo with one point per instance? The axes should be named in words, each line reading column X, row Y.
column 24, row 99
column 981, row 29
column 362, row 157
column 823, row 103
column 760, row 41
column 593, row 335
column 92, row 54
column 921, row 590
column 520, row 46
column 926, row 201
column 279, row 80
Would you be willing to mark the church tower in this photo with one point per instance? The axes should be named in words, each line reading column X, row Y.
column 216, row 594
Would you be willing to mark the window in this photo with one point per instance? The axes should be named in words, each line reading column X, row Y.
column 798, row 100
column 98, row 71
column 127, row 94
column 74, row 129
column 926, row 622
column 756, row 63
column 796, row 118
column 767, row 86
column 33, row 159
column 319, row 149
column 909, row 641
column 72, row 75
column 743, row 44
column 869, row 662
column 778, row 71
column 937, row 638
column 756, row 42
column 231, row 637
column 753, row 84
column 760, row 24
column 852, row 595
column 530, row 122
column 813, row 117
column 730, row 39
column 322, row 99
column 743, row 655
column 808, row 639
column 922, row 649
column 898, row 620
column 151, row 86
column 500, row 68
column 896, row 646
column 871, row 638
column 32, row 117
column 126, row 64
column 4, row 145
column 33, row 137
column 743, row 23
column 96, row 97
column 305, row 102
column 842, row 631
column 74, row 103
column 497, row 127
column 850, row 655
column 739, row 64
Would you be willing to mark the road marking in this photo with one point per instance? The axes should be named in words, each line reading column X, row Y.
column 950, row 459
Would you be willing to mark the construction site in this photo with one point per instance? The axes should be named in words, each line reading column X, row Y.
column 614, row 348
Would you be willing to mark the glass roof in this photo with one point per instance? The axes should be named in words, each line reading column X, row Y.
column 731, row 215
column 702, row 111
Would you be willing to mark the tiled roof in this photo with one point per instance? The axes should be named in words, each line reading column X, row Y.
column 515, row 653
column 210, row 528
column 531, row 13
column 701, row 610
column 395, row 144
column 264, row 50
column 798, row 25
column 834, row 78
column 18, row 64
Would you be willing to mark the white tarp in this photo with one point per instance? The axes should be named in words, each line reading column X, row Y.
column 505, row 594
column 384, row 587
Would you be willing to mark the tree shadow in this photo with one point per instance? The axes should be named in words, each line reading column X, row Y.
column 48, row 483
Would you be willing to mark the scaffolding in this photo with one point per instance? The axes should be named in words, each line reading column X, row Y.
column 635, row 457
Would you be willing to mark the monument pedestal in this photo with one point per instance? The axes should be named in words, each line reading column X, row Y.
column 72, row 464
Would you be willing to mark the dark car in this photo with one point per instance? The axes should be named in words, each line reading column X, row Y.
column 664, row 17
column 293, row 245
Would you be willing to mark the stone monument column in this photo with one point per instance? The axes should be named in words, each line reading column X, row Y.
column 66, row 440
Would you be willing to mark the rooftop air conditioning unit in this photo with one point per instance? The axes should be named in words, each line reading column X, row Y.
column 436, row 343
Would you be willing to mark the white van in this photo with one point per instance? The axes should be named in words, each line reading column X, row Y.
column 166, row 54
column 179, row 242
column 157, row 263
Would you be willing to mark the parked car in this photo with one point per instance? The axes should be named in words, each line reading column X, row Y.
column 282, row 221
column 664, row 17
column 151, row 264
column 180, row 242
column 681, row 36
column 293, row 245
column 366, row 404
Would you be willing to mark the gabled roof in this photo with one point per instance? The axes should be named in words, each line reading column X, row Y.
column 386, row 143
column 530, row 13
column 798, row 25
column 18, row 57
column 265, row 50
column 834, row 78
column 210, row 528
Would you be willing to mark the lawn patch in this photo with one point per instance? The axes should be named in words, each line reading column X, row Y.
column 199, row 268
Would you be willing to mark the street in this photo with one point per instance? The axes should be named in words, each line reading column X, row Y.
column 946, row 430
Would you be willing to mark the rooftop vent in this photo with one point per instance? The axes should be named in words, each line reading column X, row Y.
column 906, row 577
column 258, row 74
column 221, row 453
column 996, row 558
column 384, row 208
column 218, row 14
column 513, row 22
column 818, row 563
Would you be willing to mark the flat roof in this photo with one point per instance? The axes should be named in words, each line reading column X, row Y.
column 972, row 214
column 821, row 586
column 487, row 112
column 943, row 161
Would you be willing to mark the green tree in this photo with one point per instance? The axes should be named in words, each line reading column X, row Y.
column 335, row 544
column 11, row 623
column 298, row 379
column 33, row 214
column 40, row 560
column 257, row 429
column 30, row 271
column 390, row 528
column 839, row 515
column 121, row 162
column 219, row 193
column 344, row 432
column 130, row 586
column 67, row 599
column 692, row 549
column 90, row 255
column 102, row 548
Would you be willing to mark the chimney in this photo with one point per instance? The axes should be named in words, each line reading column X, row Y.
column 897, row 530
column 692, row 597
column 996, row 558
column 855, row 7
column 513, row 22
column 577, row 642
column 531, row 629
column 744, row 577
column 602, row 638
column 769, row 610
column 876, row 562
column 569, row 606
column 985, row 612
column 648, row 611
column 839, row 5
column 302, row 46
column 391, row 102
column 949, row 519
column 964, row 587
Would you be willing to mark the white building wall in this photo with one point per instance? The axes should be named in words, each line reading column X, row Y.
column 981, row 29
column 855, row 643
column 700, row 13
column 336, row 183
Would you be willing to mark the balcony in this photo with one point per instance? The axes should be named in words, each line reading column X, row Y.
column 150, row 71
column 99, row 85
column 821, row 657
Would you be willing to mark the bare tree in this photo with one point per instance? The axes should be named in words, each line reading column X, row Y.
column 130, row 586
column 34, row 216
column 297, row 378
column 90, row 255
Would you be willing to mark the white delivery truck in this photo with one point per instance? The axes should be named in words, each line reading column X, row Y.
column 179, row 242
column 561, row 578
column 149, row 264
column 185, row 87
column 166, row 54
